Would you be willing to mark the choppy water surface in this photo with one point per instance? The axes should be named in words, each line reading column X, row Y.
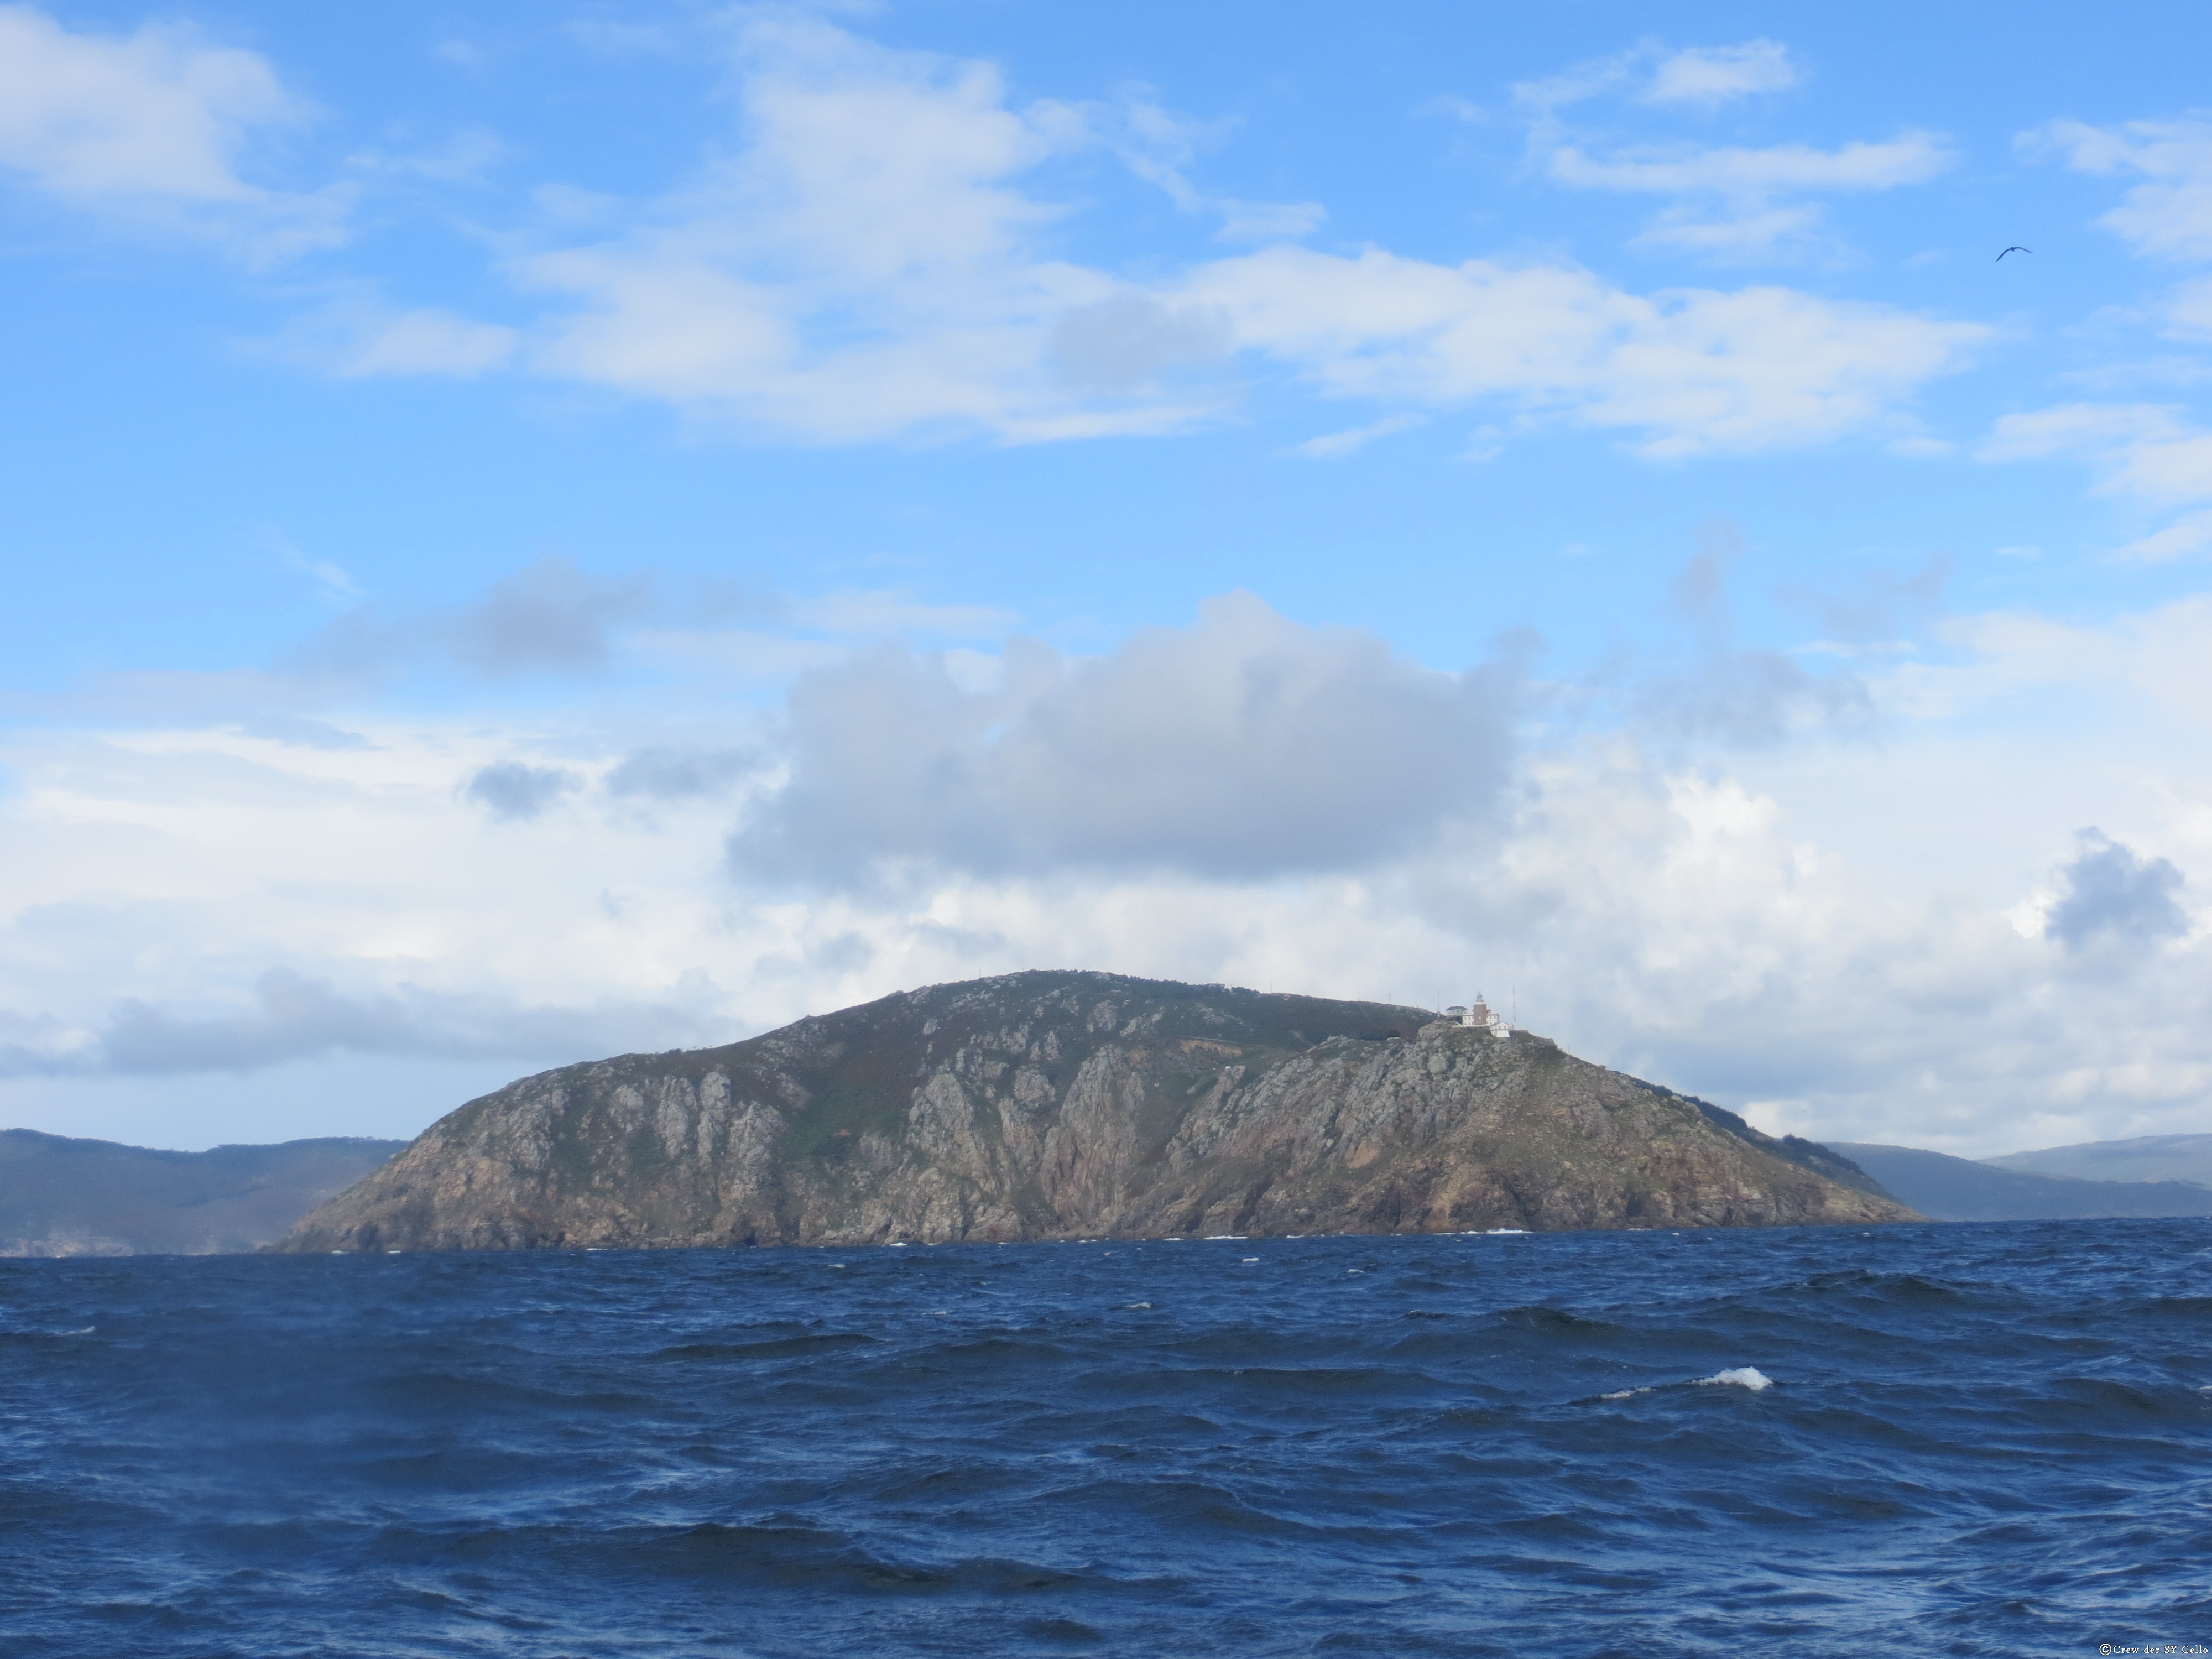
column 1978, row 1440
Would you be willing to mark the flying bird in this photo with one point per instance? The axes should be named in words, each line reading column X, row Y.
column 2016, row 248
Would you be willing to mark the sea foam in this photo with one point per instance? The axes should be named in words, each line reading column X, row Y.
column 1741, row 1376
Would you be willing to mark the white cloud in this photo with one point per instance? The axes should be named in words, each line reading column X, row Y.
column 463, row 158
column 427, row 341
column 1759, row 926
column 2188, row 537
column 151, row 124
column 1710, row 76
column 1244, row 746
column 335, row 580
column 882, row 611
column 1734, row 203
column 1160, row 147
column 2152, row 454
column 2188, row 313
column 862, row 268
column 2169, row 214
column 356, row 336
column 868, row 265
column 1756, row 175
column 1703, row 77
column 1330, row 446
column 1692, row 371
column 1744, row 237
column 548, row 618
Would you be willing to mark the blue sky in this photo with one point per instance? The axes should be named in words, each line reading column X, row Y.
column 535, row 532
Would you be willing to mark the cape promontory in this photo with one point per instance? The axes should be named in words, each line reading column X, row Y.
column 1051, row 1105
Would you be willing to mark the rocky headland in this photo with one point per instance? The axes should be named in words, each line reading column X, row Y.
column 1082, row 1105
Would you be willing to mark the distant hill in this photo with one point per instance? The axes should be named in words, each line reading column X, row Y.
column 1961, row 1190
column 1083, row 1105
column 2147, row 1157
column 61, row 1196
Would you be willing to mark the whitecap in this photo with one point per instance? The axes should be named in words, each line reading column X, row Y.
column 1741, row 1376
column 1626, row 1394
column 1136, row 1304
column 1249, row 1260
column 1507, row 1232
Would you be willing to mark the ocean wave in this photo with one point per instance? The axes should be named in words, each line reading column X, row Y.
column 1819, row 1444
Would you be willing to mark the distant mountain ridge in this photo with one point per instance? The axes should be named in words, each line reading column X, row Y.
column 1946, row 1189
column 1048, row 1105
column 2145, row 1158
column 61, row 1196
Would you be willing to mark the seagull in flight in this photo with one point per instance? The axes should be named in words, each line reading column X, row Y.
column 2016, row 248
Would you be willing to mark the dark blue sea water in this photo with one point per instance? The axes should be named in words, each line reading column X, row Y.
column 1991, row 1439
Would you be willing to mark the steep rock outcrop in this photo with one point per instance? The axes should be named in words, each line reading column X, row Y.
column 1065, row 1105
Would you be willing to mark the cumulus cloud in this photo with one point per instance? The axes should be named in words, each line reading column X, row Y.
column 1243, row 747
column 1826, row 935
column 512, row 791
column 151, row 124
column 2110, row 894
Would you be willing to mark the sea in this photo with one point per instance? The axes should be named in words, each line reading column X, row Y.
column 1967, row 1439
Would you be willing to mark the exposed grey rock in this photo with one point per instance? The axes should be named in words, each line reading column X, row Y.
column 1064, row 1105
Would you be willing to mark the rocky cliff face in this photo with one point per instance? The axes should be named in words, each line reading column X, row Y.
column 1066, row 1105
